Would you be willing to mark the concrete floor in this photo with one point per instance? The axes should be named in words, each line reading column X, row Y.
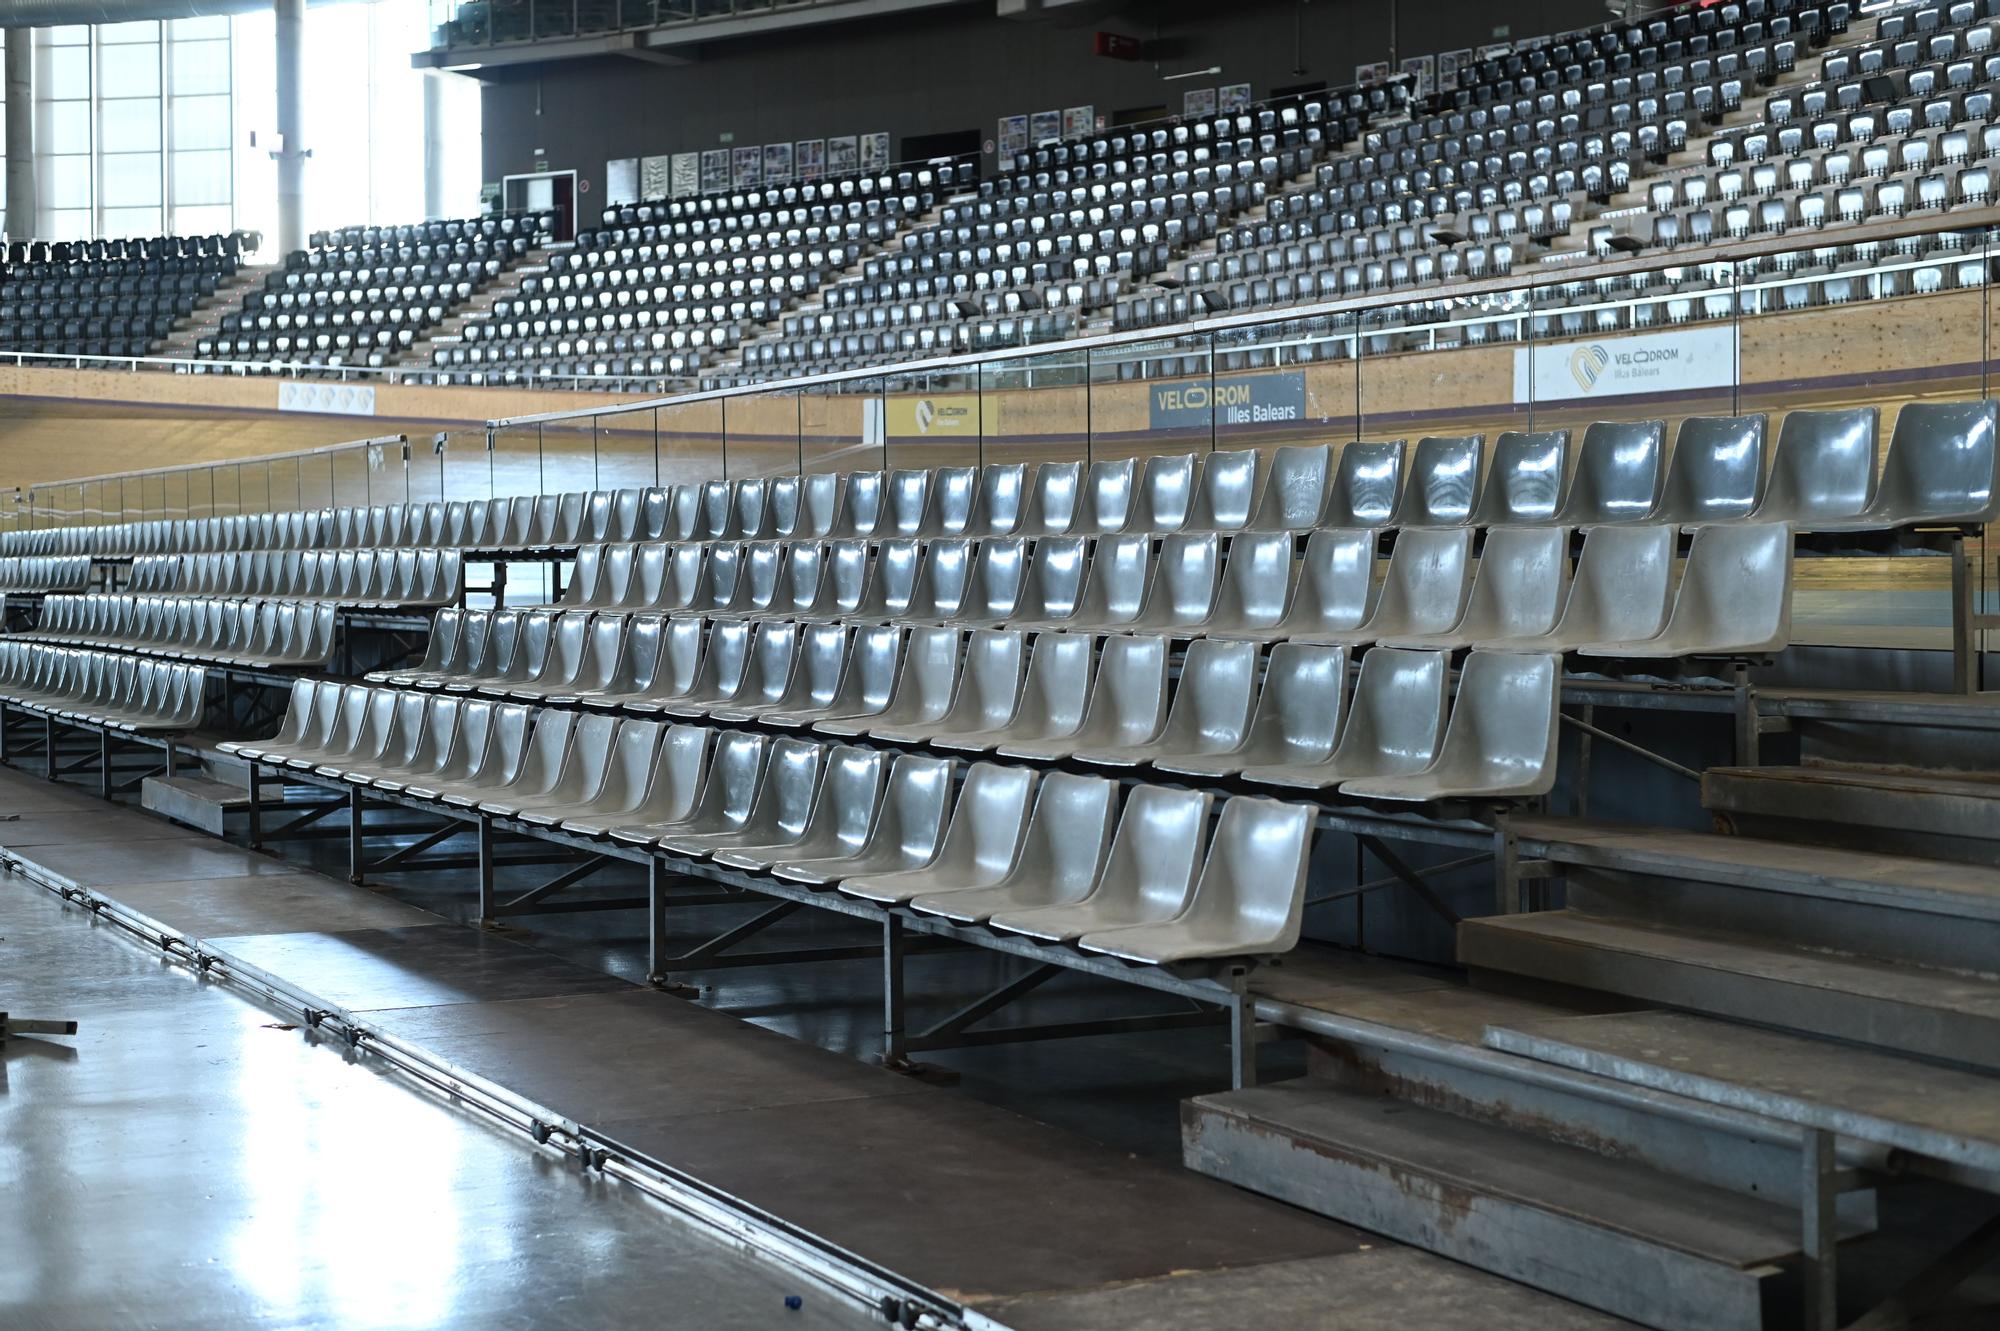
column 188, row 1161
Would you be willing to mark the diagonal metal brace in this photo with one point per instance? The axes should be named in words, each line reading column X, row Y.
column 1410, row 878
column 554, row 885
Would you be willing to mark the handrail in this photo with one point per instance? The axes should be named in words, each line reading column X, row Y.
column 1971, row 219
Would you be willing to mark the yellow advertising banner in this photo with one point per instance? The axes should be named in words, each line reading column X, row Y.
column 934, row 416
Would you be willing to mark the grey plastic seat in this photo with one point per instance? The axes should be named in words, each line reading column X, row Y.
column 533, row 771
column 480, row 727
column 1049, row 586
column 1296, row 485
column 1500, row 742
column 1226, row 495
column 729, row 785
column 801, row 572
column 725, row 664
column 1423, row 591
column 358, row 731
column 941, row 582
column 1105, row 505
column 1062, row 853
column 421, row 746
column 868, row 677
column 908, row 821
column 1249, row 900
column 1367, row 483
column 621, row 657
column 1617, row 474
column 1049, row 507
column 905, row 502
column 1525, row 479
column 1127, row 703
column 1256, row 587
column 997, row 505
column 1735, row 598
column 988, row 825
column 620, row 785
column 779, row 813
column 843, row 811
column 1621, row 591
column 1187, row 574
column 669, row 577
column 759, row 565
column 822, row 504
column 1518, row 590
column 682, row 519
column 991, row 592
column 660, row 795
column 556, row 669
column 305, row 701
column 1114, row 586
column 715, row 582
column 926, row 681
column 1210, row 712
column 1443, row 482
column 582, row 772
column 750, row 508
column 1823, row 470
column 1163, row 494
column 988, row 692
column 1297, row 718
column 603, row 649
column 783, row 500
column 892, row 581
column 1391, row 727
column 1716, row 473
column 662, row 660
column 1147, row 878
column 821, row 655
column 1049, row 700
column 1943, row 468
column 508, row 749
column 768, row 667
column 948, row 510
column 1333, row 591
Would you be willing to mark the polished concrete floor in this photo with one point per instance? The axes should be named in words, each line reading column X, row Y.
column 188, row 1160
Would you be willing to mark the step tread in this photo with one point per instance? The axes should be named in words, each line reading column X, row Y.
column 1946, row 1113
column 1471, row 1157
column 1786, row 866
column 1945, row 991
column 1966, row 785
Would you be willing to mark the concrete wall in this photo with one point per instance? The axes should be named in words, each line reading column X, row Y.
column 956, row 69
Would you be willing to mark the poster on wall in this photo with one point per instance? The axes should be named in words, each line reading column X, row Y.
column 1667, row 361
column 685, row 176
column 1013, row 136
column 1421, row 70
column 1494, row 50
column 1376, row 71
column 809, row 157
column 715, row 171
column 1079, row 122
column 1234, row 97
column 748, row 167
column 1450, row 63
column 777, row 164
column 1044, row 127
column 874, row 151
column 843, row 155
column 655, row 177
column 621, row 180
column 1197, row 103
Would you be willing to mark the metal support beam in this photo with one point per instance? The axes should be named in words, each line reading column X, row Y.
column 22, row 202
column 895, row 1048
column 291, row 150
column 1410, row 878
column 433, row 144
column 355, row 864
column 523, row 903
column 1820, row 1234
column 487, row 907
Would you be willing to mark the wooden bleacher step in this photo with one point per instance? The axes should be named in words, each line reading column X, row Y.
column 1927, row 912
column 1608, row 1233
column 1934, row 1013
column 1948, row 814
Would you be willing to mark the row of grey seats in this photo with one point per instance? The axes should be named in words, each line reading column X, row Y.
column 45, row 573
column 384, row 579
column 1941, row 466
column 1054, row 695
column 1048, row 856
column 110, row 690
column 1734, row 595
column 253, row 633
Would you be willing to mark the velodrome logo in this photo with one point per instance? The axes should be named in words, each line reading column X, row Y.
column 1670, row 361
column 1587, row 364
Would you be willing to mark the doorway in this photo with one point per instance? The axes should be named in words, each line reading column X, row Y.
column 543, row 192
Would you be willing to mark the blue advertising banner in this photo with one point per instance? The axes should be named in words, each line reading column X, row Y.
column 1240, row 400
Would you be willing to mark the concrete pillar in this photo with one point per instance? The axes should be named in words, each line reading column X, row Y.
column 291, row 16
column 433, row 144
column 22, row 203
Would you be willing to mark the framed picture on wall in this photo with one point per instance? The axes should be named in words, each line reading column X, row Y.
column 684, row 175
column 748, row 167
column 1197, row 103
column 777, row 164
column 1375, row 71
column 1421, row 70
column 1449, row 65
column 1044, row 127
column 1234, row 97
column 810, row 158
column 843, row 156
column 1494, row 50
column 1079, row 122
column 874, row 151
column 715, row 171
column 1013, row 136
